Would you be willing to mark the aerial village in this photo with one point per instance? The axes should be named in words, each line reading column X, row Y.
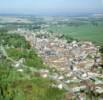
column 75, row 66
column 53, row 56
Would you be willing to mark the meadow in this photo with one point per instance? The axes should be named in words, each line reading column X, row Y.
column 90, row 30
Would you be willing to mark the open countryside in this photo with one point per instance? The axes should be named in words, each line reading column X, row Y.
column 81, row 28
column 51, row 50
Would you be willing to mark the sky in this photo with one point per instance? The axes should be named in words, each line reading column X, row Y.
column 39, row 7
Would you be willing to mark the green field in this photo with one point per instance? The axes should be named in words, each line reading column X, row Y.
column 90, row 32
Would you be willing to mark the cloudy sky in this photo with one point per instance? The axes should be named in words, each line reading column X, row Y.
column 50, row 6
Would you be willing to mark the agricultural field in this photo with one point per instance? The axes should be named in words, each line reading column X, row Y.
column 81, row 29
